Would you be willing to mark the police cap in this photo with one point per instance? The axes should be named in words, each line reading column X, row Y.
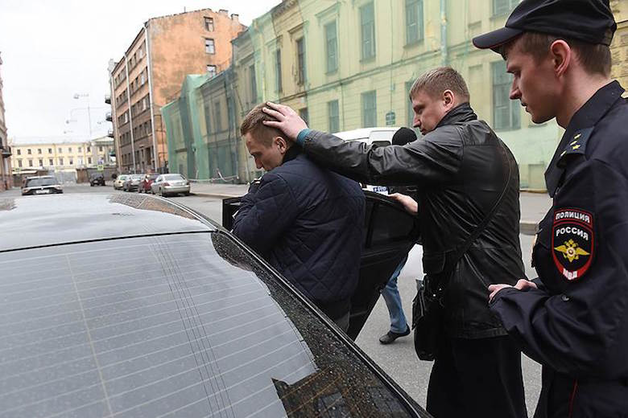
column 584, row 20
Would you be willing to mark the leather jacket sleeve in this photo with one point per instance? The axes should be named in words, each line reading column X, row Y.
column 433, row 159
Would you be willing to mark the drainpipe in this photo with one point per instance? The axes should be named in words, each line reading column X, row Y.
column 443, row 33
column 128, row 99
column 150, row 95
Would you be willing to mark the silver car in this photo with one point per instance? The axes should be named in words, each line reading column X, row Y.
column 170, row 184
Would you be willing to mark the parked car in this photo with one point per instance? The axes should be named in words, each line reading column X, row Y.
column 146, row 182
column 97, row 179
column 118, row 183
column 188, row 322
column 41, row 185
column 132, row 182
column 170, row 184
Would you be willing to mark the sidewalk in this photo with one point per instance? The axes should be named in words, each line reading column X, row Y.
column 533, row 205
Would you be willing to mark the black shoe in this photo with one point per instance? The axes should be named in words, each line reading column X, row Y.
column 390, row 336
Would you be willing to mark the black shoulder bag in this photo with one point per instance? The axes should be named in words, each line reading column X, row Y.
column 427, row 306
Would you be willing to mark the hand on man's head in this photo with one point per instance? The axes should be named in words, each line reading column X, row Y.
column 286, row 120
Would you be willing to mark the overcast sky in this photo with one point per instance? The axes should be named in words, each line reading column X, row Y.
column 52, row 50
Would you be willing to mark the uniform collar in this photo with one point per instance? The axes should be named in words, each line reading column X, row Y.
column 460, row 113
column 586, row 117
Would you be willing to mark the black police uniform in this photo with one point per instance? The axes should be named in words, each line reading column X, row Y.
column 576, row 323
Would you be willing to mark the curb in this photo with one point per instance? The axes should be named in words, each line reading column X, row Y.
column 528, row 227
column 215, row 195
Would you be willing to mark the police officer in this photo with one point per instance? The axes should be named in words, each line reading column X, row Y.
column 573, row 319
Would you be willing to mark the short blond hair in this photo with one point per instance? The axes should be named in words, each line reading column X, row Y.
column 436, row 81
column 253, row 123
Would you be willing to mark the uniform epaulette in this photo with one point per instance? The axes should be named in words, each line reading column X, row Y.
column 576, row 146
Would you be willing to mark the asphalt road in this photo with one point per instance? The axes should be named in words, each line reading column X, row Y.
column 398, row 359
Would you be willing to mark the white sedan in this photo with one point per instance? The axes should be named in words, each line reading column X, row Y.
column 170, row 184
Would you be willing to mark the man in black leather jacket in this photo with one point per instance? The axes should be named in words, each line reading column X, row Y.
column 460, row 168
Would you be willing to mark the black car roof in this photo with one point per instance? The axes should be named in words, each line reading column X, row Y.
column 29, row 222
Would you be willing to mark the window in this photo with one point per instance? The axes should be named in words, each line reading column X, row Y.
column 211, row 69
column 253, row 84
column 41, row 162
column 278, row 81
column 71, row 161
column 59, row 150
column 303, row 113
column 30, row 163
column 89, row 160
column 414, row 21
column 217, row 118
column 19, row 163
column 28, row 151
column 210, row 48
column 331, row 43
column 19, row 151
column 50, row 162
column 100, row 149
column 503, row 7
column 301, row 61
column 89, row 149
column 80, row 149
column 69, row 150
column 334, row 119
column 38, row 150
column 60, row 160
column 506, row 112
column 142, row 78
column 369, row 109
column 209, row 24
column 367, row 23
column 49, row 150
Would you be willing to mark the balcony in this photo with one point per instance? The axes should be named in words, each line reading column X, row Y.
column 110, row 133
column 108, row 117
column 5, row 150
column 108, row 98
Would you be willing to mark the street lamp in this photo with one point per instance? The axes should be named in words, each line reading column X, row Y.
column 89, row 114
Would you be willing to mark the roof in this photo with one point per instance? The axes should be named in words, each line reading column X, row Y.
column 38, row 221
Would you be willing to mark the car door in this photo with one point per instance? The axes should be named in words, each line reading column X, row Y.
column 389, row 234
column 155, row 186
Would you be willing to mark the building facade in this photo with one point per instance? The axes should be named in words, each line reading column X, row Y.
column 349, row 65
column 150, row 74
column 6, row 180
column 59, row 155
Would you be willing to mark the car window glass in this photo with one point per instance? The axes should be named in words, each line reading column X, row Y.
column 171, row 329
column 44, row 181
column 390, row 225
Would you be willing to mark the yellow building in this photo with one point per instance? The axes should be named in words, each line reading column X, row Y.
column 345, row 65
column 59, row 155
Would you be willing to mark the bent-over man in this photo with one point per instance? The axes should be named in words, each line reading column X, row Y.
column 305, row 220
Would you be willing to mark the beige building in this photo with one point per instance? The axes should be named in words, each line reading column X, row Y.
column 58, row 154
column 150, row 74
column 6, row 181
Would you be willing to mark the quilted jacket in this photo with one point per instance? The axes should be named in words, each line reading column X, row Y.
column 307, row 222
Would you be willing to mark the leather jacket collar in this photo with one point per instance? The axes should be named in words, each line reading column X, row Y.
column 460, row 113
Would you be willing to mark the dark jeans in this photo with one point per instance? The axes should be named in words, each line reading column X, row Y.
column 477, row 378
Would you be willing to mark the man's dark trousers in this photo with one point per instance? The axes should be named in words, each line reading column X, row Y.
column 477, row 378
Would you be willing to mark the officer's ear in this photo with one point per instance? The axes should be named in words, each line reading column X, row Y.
column 561, row 55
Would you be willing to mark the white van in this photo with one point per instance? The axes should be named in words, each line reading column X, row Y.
column 371, row 136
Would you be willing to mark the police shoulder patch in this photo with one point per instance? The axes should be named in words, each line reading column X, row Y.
column 573, row 242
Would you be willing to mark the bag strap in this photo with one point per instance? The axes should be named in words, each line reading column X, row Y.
column 476, row 233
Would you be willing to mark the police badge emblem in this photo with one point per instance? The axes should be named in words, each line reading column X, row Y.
column 572, row 242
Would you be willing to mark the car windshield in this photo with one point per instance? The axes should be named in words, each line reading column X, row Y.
column 122, row 177
column 41, row 181
column 173, row 177
column 181, row 325
column 136, row 176
column 152, row 176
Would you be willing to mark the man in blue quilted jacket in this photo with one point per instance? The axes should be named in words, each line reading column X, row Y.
column 305, row 220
